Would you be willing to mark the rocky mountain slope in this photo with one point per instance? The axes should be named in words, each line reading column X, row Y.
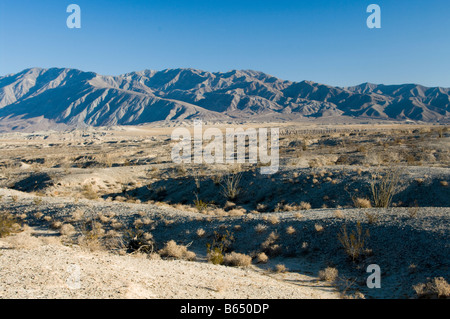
column 74, row 97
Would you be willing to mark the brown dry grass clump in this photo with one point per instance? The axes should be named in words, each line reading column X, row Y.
column 262, row 258
column 171, row 249
column 362, row 202
column 280, row 268
column 436, row 288
column 8, row 224
column 237, row 260
column 290, row 230
column 328, row 274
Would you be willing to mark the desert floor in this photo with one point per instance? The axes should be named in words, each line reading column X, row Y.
column 105, row 213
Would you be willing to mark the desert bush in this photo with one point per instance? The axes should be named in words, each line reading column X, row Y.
column 436, row 288
column 200, row 205
column 305, row 206
column 137, row 240
column 200, row 232
column 217, row 179
column 280, row 268
column 216, row 250
column 91, row 235
column 274, row 220
column 237, row 260
column 328, row 274
column 339, row 213
column 353, row 243
column 269, row 246
column 171, row 249
column 319, row 228
column 384, row 188
column 290, row 230
column 8, row 224
column 260, row 228
column 56, row 225
column 230, row 186
column 89, row 192
column 261, row 207
column 67, row 230
column 262, row 258
column 361, row 202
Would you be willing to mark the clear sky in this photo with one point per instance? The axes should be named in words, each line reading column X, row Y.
column 325, row 41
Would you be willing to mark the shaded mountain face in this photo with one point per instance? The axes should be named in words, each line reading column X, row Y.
column 73, row 97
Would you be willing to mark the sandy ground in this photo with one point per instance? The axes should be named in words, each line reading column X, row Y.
column 47, row 269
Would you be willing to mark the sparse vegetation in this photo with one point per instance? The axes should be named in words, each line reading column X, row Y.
column 230, row 186
column 171, row 249
column 384, row 188
column 328, row 274
column 354, row 243
column 435, row 288
column 8, row 224
column 237, row 260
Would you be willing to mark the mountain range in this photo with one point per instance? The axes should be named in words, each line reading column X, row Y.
column 70, row 97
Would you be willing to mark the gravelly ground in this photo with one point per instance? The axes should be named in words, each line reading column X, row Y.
column 407, row 249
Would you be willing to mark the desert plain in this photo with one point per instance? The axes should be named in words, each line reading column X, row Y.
column 105, row 213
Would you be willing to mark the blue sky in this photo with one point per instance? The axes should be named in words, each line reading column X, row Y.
column 326, row 41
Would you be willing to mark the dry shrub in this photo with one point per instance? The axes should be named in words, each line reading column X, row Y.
column 216, row 249
column 319, row 228
column 304, row 206
column 260, row 228
column 262, row 258
column 116, row 225
column 137, row 241
column 328, row 274
column 280, row 268
column 298, row 215
column 274, row 220
column 229, row 205
column 356, row 295
column 171, row 249
column 339, row 213
column 261, row 207
column 436, row 288
column 104, row 219
column 237, row 260
column 56, row 225
column 89, row 192
column 200, row 232
column 67, row 230
column 8, row 224
column 269, row 245
column 354, row 243
column 290, row 230
column 361, row 202
column 91, row 236
column 236, row 212
column 38, row 215
column 230, row 186
column 384, row 188
column 200, row 205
